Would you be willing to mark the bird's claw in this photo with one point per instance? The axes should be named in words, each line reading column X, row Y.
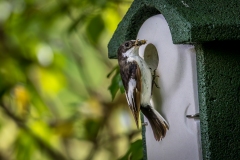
column 156, row 84
column 154, row 76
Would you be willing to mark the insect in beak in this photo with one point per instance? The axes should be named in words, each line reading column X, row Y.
column 140, row 42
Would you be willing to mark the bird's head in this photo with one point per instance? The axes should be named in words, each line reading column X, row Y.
column 130, row 47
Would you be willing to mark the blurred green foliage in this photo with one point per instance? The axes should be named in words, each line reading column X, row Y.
column 54, row 97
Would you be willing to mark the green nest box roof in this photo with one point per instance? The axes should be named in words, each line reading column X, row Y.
column 189, row 21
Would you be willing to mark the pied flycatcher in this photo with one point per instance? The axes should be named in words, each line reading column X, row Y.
column 137, row 81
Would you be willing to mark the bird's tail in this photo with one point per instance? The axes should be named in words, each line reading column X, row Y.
column 158, row 123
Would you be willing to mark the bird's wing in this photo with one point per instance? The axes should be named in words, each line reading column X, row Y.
column 131, row 78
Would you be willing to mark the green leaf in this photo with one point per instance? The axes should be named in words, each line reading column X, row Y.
column 95, row 28
column 114, row 68
column 92, row 126
column 121, row 87
column 135, row 151
column 113, row 88
column 99, row 3
column 74, row 25
column 116, row 82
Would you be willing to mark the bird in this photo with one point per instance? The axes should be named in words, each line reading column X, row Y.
column 137, row 80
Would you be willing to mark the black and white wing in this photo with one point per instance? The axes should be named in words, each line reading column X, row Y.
column 131, row 78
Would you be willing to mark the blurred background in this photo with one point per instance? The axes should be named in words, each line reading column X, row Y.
column 55, row 88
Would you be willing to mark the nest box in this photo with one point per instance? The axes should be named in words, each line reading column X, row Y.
column 194, row 45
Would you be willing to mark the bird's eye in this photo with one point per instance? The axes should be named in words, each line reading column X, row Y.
column 126, row 44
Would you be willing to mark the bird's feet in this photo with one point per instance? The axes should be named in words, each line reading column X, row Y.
column 154, row 76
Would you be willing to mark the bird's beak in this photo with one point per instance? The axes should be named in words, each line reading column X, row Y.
column 138, row 43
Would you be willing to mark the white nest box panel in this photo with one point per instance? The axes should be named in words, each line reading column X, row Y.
column 177, row 96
